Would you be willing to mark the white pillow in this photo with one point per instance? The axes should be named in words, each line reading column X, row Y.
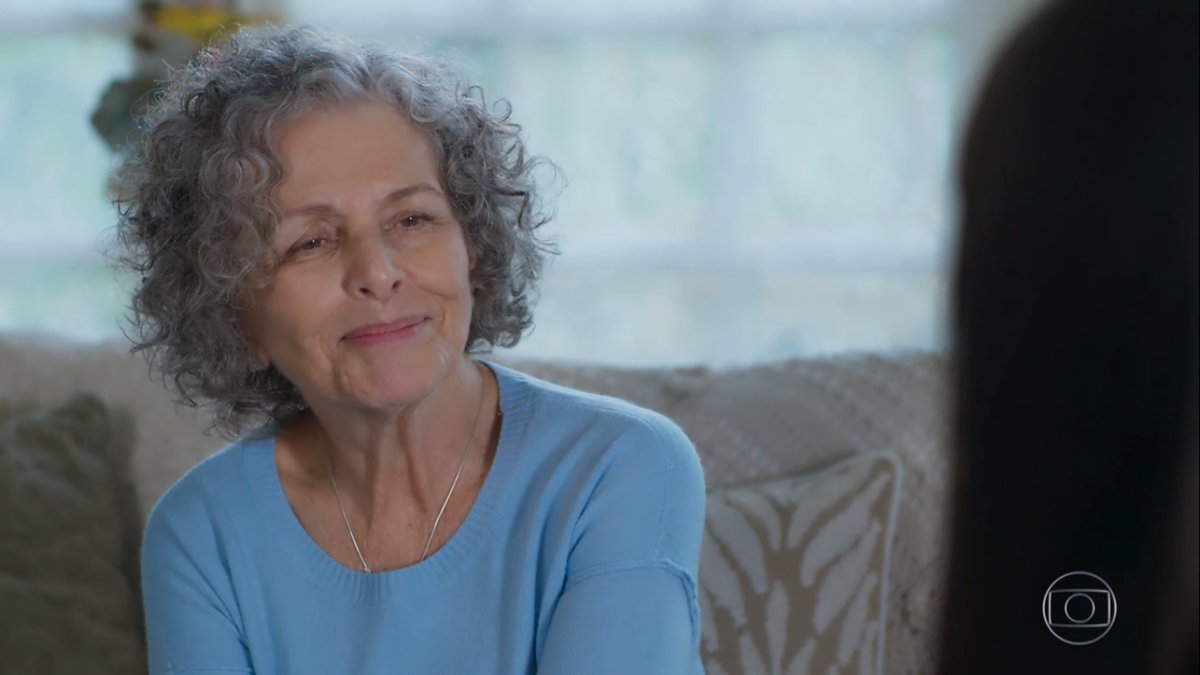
column 793, row 570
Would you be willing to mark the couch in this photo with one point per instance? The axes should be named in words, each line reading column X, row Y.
column 823, row 548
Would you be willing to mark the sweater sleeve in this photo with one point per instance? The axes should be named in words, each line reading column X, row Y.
column 629, row 599
column 192, row 622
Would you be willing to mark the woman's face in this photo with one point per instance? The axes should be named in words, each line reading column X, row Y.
column 371, row 303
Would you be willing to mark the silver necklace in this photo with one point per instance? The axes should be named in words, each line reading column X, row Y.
column 462, row 461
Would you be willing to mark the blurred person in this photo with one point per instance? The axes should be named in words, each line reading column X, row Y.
column 1075, row 358
column 327, row 236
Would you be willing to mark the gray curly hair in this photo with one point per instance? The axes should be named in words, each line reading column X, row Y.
column 196, row 219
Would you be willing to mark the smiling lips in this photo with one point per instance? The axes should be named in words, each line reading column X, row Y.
column 378, row 333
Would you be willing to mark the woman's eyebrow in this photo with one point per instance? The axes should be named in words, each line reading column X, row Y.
column 308, row 210
column 325, row 209
column 405, row 192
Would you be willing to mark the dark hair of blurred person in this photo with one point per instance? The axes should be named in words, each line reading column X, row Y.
column 1075, row 319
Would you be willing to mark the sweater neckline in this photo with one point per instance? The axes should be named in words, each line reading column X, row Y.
column 294, row 541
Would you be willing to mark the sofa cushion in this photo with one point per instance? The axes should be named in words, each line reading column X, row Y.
column 169, row 439
column 793, row 570
column 68, row 521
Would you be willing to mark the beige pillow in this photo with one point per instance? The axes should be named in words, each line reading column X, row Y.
column 68, row 542
column 793, row 571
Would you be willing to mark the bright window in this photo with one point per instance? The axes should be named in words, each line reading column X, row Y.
column 747, row 180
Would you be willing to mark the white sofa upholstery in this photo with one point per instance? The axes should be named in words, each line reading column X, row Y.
column 747, row 423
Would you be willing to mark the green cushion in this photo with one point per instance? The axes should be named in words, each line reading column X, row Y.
column 68, row 541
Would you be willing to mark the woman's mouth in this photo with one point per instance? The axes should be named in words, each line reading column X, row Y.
column 390, row 331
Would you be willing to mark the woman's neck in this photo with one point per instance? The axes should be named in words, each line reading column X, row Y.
column 408, row 452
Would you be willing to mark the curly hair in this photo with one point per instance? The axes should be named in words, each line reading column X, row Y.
column 196, row 217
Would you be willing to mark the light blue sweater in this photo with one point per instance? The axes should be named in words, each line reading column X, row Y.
column 578, row 557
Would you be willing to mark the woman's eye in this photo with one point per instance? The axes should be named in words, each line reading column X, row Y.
column 307, row 245
column 413, row 220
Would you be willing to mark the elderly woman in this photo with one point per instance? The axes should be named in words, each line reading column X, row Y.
column 325, row 234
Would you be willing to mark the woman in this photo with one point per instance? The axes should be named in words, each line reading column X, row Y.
column 1076, row 349
column 325, row 234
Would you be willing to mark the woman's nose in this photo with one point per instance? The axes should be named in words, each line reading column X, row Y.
column 374, row 270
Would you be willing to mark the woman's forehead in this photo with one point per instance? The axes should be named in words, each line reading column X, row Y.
column 356, row 151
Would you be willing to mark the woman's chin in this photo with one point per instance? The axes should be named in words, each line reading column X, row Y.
column 396, row 385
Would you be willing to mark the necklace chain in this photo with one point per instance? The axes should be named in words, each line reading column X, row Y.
column 462, row 461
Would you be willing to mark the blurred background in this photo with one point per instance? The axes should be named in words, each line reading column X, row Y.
column 745, row 180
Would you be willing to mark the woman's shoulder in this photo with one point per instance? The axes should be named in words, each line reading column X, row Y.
column 629, row 475
column 586, row 428
column 210, row 485
column 554, row 401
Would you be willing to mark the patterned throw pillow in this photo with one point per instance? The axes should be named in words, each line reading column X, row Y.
column 793, row 571
column 68, row 534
